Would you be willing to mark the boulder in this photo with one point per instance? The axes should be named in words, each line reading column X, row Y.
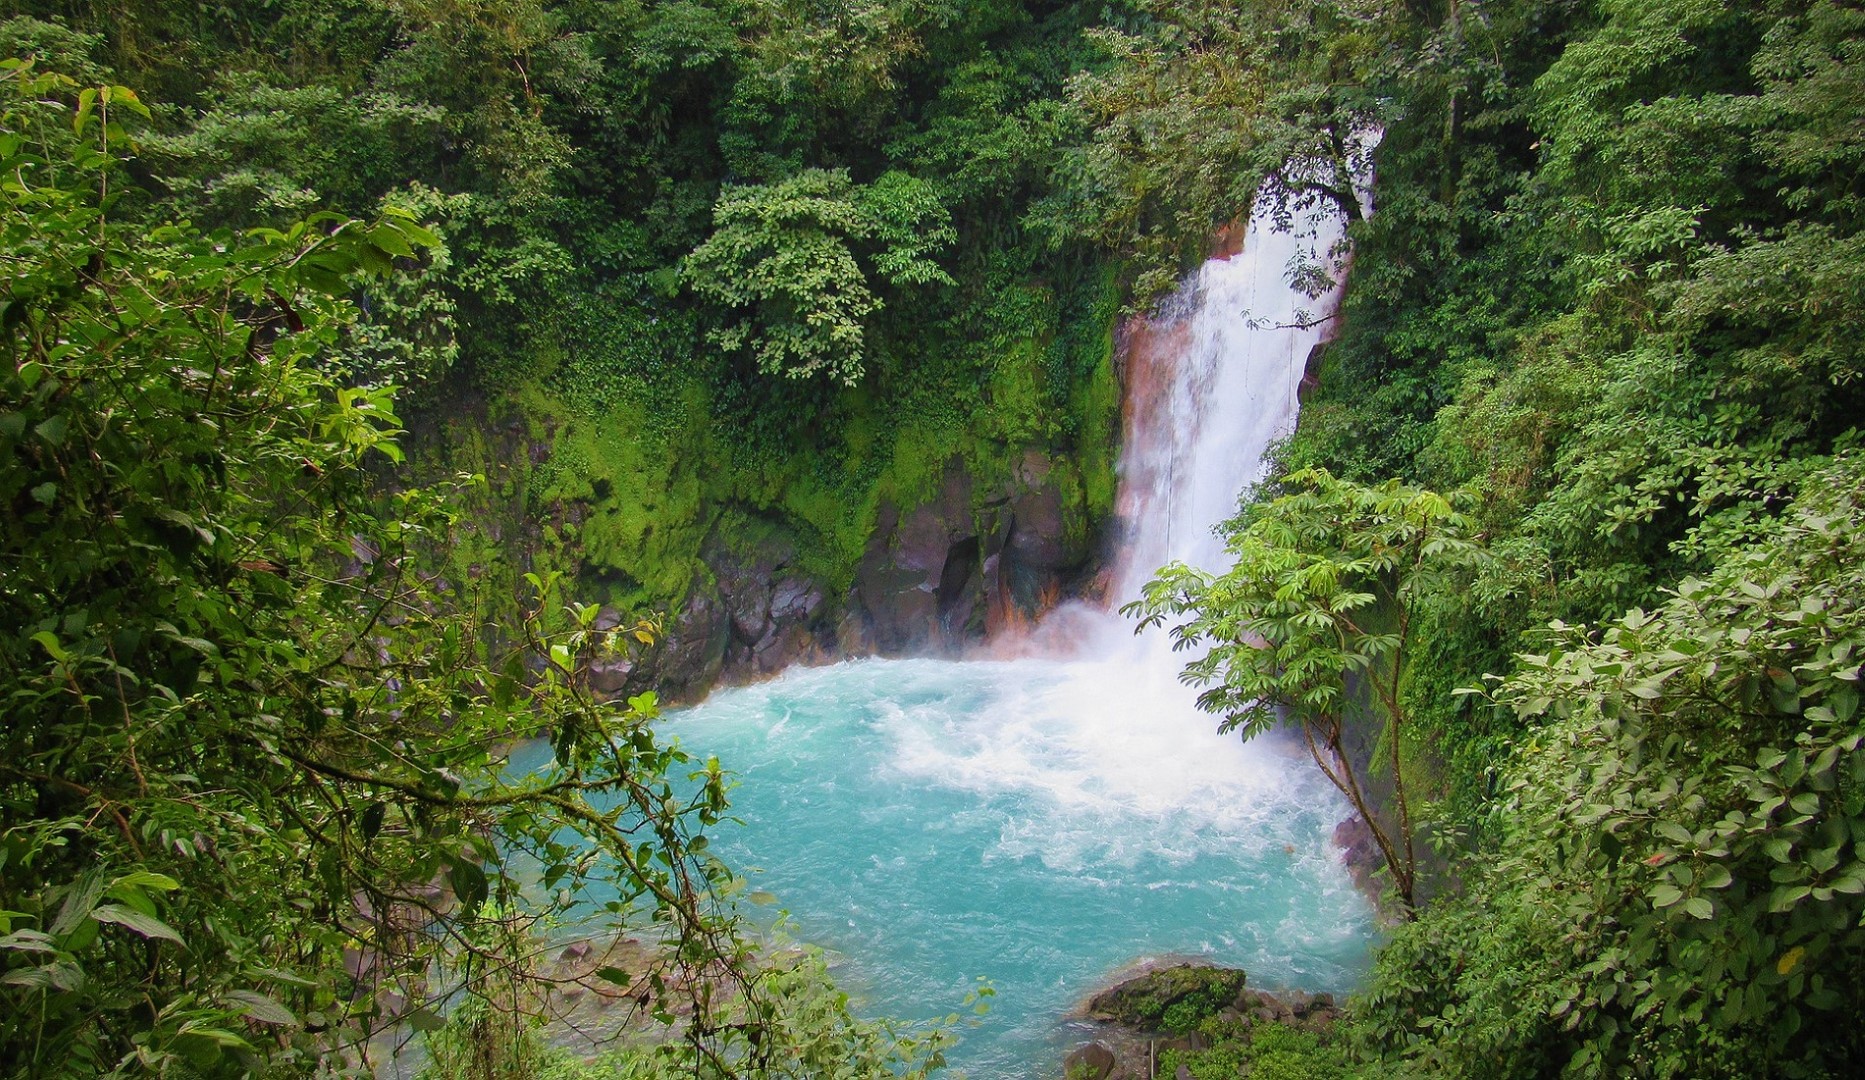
column 610, row 676
column 1145, row 1001
column 1183, row 1007
column 1091, row 1062
column 692, row 655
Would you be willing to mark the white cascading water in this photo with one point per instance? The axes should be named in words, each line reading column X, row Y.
column 1045, row 821
column 1224, row 367
column 1211, row 384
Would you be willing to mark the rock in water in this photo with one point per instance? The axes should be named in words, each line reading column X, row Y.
column 1092, row 1062
column 1170, row 997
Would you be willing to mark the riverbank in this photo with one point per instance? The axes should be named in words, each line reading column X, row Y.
column 1189, row 1020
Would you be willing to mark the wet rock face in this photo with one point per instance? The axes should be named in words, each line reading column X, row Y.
column 967, row 563
column 689, row 660
column 1355, row 839
column 1311, row 370
column 917, row 579
column 777, row 611
column 795, row 600
column 934, row 578
column 896, row 585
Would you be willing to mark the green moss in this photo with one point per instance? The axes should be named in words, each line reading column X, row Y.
column 1183, row 995
column 616, row 464
column 647, row 516
column 917, row 464
column 838, row 519
column 1021, row 401
column 1094, row 402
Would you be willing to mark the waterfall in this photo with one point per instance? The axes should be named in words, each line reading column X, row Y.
column 1212, row 383
column 1046, row 820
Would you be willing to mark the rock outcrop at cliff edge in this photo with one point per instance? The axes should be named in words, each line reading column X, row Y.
column 1182, row 993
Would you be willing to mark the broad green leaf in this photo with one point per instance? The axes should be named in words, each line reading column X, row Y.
column 28, row 941
column 424, row 1020
column 146, row 879
column 147, row 925
column 259, row 1007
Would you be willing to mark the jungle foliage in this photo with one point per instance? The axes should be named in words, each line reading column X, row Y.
column 259, row 670
column 689, row 269
column 253, row 805
column 1605, row 304
column 647, row 211
column 1605, row 298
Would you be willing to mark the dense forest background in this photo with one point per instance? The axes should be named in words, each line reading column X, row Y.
column 675, row 275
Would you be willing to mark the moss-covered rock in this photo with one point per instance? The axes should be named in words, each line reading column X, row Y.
column 1172, row 998
column 1200, row 1021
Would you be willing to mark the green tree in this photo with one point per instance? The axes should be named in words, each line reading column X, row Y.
column 1202, row 105
column 260, row 153
column 1674, row 885
column 250, row 730
column 1313, row 619
column 794, row 260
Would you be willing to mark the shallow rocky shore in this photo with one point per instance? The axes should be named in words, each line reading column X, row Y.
column 1140, row 1018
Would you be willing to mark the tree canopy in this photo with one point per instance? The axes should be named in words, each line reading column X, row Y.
column 253, row 808
column 795, row 258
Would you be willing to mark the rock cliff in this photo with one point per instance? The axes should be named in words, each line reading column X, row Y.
column 939, row 576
